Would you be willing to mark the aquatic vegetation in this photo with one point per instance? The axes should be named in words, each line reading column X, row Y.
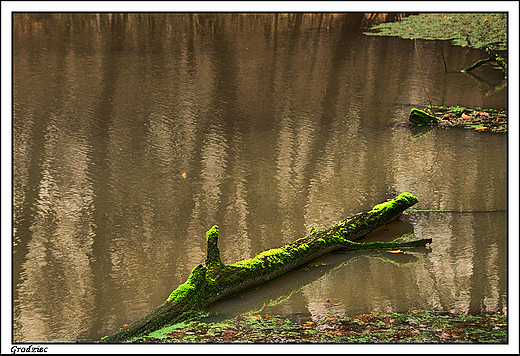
column 476, row 30
column 474, row 119
column 375, row 327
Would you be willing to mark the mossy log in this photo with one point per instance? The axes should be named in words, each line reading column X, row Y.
column 422, row 118
column 213, row 281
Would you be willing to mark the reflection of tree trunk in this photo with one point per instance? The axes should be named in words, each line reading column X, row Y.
column 214, row 281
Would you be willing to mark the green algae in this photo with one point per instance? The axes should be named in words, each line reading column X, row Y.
column 476, row 30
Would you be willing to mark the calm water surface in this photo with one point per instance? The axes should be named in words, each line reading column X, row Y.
column 134, row 134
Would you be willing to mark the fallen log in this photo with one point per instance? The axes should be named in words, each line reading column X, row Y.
column 213, row 281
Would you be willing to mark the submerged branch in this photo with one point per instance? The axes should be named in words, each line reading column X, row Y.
column 493, row 57
column 476, row 64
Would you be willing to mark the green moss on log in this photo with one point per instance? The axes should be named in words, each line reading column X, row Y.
column 422, row 118
column 213, row 263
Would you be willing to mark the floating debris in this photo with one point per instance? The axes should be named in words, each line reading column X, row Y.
column 479, row 120
column 375, row 327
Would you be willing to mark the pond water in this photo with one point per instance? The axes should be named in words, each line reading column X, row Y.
column 134, row 134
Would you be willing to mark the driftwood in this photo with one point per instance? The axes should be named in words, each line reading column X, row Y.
column 212, row 281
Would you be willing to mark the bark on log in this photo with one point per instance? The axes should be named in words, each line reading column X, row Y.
column 213, row 281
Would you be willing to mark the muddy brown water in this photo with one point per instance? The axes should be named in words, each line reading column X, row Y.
column 134, row 134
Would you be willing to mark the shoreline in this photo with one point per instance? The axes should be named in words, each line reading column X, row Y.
column 370, row 328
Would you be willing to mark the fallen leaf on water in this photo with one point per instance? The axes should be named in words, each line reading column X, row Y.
column 481, row 114
column 444, row 335
column 183, row 175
